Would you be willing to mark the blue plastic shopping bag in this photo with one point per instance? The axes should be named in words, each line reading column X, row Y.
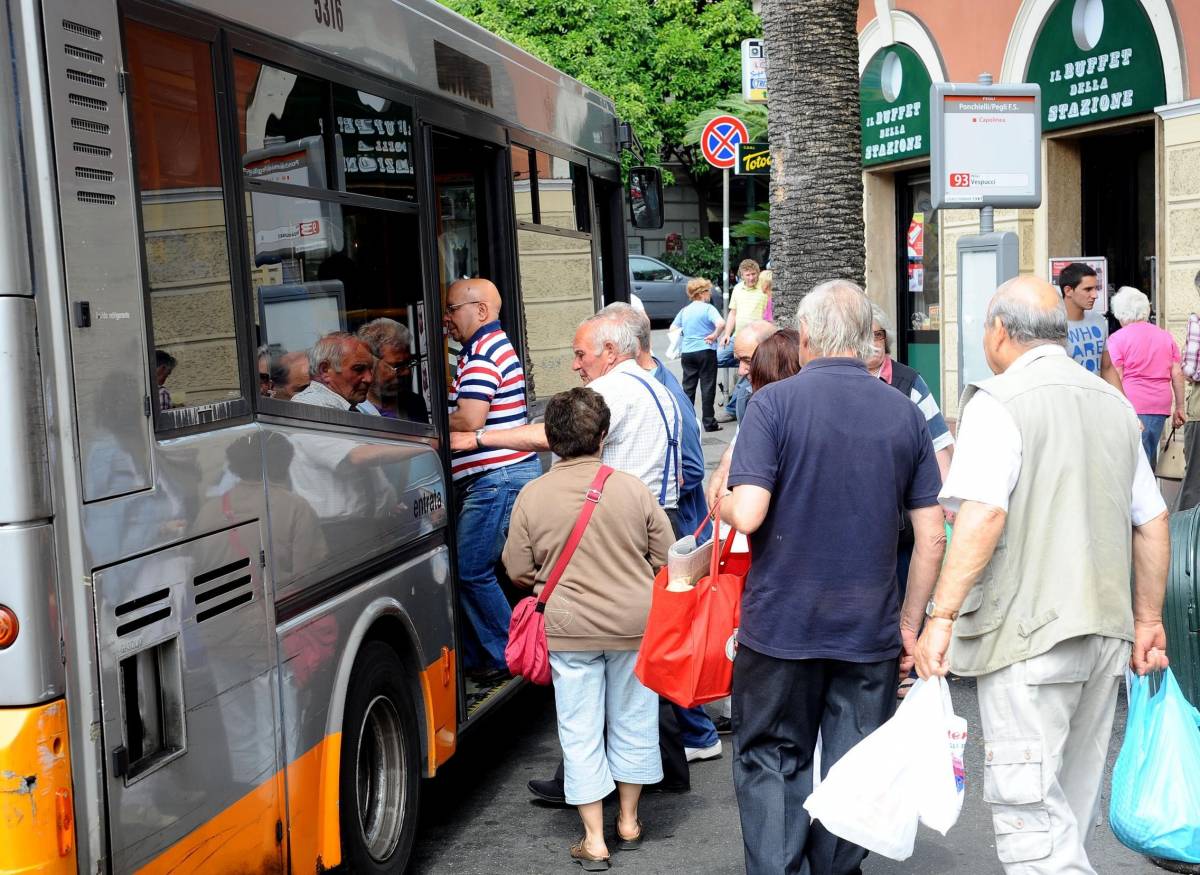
column 1155, row 806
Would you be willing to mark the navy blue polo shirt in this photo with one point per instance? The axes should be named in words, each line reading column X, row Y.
column 842, row 454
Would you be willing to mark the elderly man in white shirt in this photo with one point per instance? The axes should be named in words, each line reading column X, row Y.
column 1056, row 505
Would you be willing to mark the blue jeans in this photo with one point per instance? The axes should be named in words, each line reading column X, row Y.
column 485, row 506
column 595, row 691
column 1152, row 429
column 696, row 727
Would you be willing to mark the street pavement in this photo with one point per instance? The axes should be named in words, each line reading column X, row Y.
column 478, row 816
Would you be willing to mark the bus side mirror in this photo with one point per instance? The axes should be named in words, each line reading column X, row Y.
column 646, row 198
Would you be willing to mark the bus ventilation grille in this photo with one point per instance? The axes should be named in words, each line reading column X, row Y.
column 222, row 589
column 140, row 612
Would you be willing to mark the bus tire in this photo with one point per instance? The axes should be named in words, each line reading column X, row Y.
column 380, row 778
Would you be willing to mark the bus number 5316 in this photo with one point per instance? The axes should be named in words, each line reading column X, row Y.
column 328, row 13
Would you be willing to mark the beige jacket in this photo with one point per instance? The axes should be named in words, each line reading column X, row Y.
column 603, row 598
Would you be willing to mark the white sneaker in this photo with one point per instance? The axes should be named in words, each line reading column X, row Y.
column 703, row 753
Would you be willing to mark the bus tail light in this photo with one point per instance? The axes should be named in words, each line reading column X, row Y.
column 8, row 626
column 65, row 817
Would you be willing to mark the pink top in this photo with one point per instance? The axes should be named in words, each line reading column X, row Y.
column 1145, row 353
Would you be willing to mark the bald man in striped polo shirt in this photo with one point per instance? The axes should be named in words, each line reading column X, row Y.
column 488, row 394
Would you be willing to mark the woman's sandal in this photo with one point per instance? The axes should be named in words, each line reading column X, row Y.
column 589, row 862
column 624, row 844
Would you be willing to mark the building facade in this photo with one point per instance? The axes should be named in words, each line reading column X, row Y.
column 1120, row 154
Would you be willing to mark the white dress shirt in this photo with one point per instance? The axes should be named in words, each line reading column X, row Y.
column 320, row 395
column 987, row 458
column 637, row 441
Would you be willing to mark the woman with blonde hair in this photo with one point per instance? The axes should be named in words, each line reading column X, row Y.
column 700, row 323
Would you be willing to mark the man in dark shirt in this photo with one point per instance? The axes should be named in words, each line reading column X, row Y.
column 826, row 464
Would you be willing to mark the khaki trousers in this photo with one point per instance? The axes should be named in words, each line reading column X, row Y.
column 1046, row 727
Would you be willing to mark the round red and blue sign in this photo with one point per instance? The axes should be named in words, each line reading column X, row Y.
column 720, row 140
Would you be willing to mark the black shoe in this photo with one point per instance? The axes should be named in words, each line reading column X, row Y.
column 724, row 725
column 712, row 426
column 664, row 787
column 549, row 791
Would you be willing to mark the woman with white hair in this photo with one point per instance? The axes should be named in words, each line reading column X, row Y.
column 1145, row 359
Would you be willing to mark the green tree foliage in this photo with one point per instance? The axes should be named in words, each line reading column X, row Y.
column 700, row 257
column 661, row 61
column 757, row 224
column 752, row 115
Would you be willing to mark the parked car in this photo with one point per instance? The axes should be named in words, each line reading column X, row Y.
column 662, row 289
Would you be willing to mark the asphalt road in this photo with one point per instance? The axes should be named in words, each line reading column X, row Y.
column 478, row 817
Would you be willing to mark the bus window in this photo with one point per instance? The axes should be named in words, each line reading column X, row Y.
column 185, row 242
column 338, row 288
column 281, row 123
column 557, row 294
column 556, row 192
column 522, row 181
column 376, row 144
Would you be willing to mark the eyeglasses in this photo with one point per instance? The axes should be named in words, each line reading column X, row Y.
column 880, row 335
column 450, row 308
column 264, row 378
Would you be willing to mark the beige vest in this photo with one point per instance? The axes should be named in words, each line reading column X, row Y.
column 1062, row 567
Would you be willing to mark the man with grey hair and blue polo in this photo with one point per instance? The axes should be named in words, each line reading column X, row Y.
column 1049, row 461
column 826, row 463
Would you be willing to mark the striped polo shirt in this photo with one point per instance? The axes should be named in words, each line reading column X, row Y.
column 489, row 369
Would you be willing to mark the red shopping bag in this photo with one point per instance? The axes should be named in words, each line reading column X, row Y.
column 687, row 652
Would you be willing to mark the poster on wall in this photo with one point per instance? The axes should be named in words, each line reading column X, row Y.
column 1096, row 263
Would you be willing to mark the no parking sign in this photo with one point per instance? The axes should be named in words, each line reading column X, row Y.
column 720, row 140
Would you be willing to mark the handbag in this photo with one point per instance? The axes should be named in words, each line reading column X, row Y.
column 691, row 637
column 1170, row 459
column 674, row 343
column 526, row 652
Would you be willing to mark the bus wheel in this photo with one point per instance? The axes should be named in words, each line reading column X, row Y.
column 380, row 777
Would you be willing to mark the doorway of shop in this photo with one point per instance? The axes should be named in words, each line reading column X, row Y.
column 1117, row 199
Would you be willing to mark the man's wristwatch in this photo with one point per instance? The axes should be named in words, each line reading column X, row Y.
column 479, row 437
column 935, row 613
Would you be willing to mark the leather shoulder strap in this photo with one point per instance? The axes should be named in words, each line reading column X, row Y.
column 590, row 500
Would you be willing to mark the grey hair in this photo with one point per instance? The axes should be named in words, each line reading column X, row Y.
column 618, row 332
column 837, row 316
column 885, row 322
column 383, row 332
column 329, row 348
column 637, row 320
column 1026, row 325
column 1130, row 305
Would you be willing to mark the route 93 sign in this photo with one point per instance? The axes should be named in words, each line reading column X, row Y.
column 986, row 145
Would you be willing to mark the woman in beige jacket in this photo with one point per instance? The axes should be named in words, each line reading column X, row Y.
column 594, row 618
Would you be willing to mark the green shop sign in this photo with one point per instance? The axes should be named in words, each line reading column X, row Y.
column 754, row 159
column 894, row 105
column 1096, row 60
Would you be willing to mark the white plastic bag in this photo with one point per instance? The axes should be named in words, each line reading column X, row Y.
column 903, row 771
column 674, row 342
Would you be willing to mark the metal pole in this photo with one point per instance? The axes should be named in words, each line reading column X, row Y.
column 725, row 238
column 986, row 219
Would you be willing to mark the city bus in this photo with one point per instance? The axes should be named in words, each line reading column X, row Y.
column 229, row 639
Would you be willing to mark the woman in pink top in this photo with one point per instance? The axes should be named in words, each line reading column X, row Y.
column 1146, row 361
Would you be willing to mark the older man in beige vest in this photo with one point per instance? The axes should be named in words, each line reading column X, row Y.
column 1055, row 506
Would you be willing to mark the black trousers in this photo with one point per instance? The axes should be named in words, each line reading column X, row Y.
column 778, row 707
column 701, row 367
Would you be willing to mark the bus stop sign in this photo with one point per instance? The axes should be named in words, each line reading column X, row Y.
column 720, row 139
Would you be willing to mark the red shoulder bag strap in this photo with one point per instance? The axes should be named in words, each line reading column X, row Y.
column 590, row 500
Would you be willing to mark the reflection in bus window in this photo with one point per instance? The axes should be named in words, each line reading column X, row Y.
column 522, row 181
column 185, row 243
column 281, row 123
column 556, row 293
column 376, row 144
column 339, row 286
column 556, row 192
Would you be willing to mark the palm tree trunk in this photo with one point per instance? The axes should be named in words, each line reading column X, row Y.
column 816, row 172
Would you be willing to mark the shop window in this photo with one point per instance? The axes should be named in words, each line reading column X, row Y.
column 338, row 288
column 184, row 233
column 918, row 283
column 557, row 294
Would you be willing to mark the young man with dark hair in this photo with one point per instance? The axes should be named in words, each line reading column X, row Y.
column 1087, row 330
